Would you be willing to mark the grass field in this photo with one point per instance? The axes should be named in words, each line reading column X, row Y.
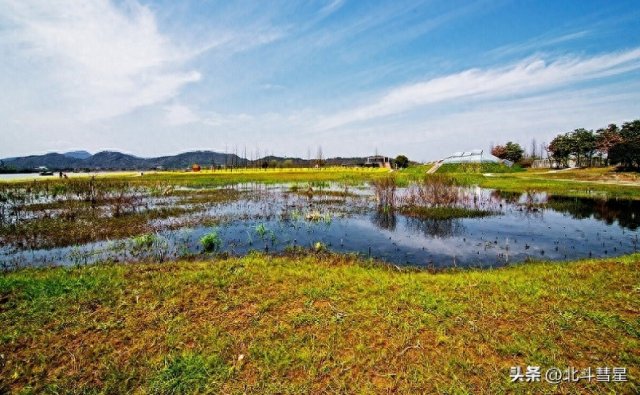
column 603, row 183
column 594, row 183
column 315, row 324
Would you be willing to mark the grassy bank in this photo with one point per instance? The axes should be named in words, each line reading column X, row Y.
column 310, row 324
column 593, row 183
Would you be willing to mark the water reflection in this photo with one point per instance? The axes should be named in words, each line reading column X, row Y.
column 435, row 227
column 384, row 219
column 609, row 211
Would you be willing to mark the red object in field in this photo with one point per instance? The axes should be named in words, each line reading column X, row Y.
column 195, row 167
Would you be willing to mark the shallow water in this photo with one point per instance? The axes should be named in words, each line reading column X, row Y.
column 20, row 176
column 271, row 219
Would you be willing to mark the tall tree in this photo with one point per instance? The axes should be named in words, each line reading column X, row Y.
column 626, row 153
column 560, row 150
column 513, row 152
column 630, row 130
column 583, row 146
column 534, row 149
column 606, row 138
column 544, row 150
column 319, row 156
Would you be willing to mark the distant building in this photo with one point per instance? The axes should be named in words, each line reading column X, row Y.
column 195, row 167
column 378, row 161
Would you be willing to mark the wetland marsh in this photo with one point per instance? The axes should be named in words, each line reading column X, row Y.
column 432, row 222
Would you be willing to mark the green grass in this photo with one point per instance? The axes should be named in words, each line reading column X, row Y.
column 314, row 324
column 443, row 213
column 601, row 183
column 570, row 185
column 348, row 176
column 478, row 168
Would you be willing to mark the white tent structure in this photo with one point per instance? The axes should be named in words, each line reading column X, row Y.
column 473, row 156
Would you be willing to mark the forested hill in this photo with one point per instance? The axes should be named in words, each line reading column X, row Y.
column 111, row 160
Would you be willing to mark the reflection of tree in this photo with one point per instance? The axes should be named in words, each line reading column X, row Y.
column 384, row 219
column 434, row 227
column 509, row 197
column 624, row 211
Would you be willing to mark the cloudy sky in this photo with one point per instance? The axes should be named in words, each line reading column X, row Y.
column 422, row 78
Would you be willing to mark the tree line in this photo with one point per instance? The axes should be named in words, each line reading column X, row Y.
column 611, row 145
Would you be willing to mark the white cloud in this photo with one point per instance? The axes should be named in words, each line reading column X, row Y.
column 331, row 7
column 179, row 114
column 432, row 135
column 101, row 61
column 538, row 43
column 525, row 77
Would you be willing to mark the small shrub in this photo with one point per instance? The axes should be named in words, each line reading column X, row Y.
column 211, row 242
column 262, row 231
column 319, row 247
column 434, row 190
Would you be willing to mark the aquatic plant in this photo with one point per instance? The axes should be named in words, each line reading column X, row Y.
column 144, row 241
column 295, row 215
column 384, row 189
column 313, row 216
column 261, row 230
column 149, row 246
column 211, row 242
column 434, row 190
column 249, row 238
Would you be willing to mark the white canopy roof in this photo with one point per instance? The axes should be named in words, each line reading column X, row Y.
column 473, row 156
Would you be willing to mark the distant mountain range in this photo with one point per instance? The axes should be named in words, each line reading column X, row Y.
column 77, row 154
column 111, row 160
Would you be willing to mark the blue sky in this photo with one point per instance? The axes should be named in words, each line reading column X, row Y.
column 422, row 78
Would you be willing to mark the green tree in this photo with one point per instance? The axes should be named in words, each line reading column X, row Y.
column 630, row 130
column 626, row 153
column 560, row 150
column 513, row 152
column 402, row 161
column 606, row 138
column 583, row 146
